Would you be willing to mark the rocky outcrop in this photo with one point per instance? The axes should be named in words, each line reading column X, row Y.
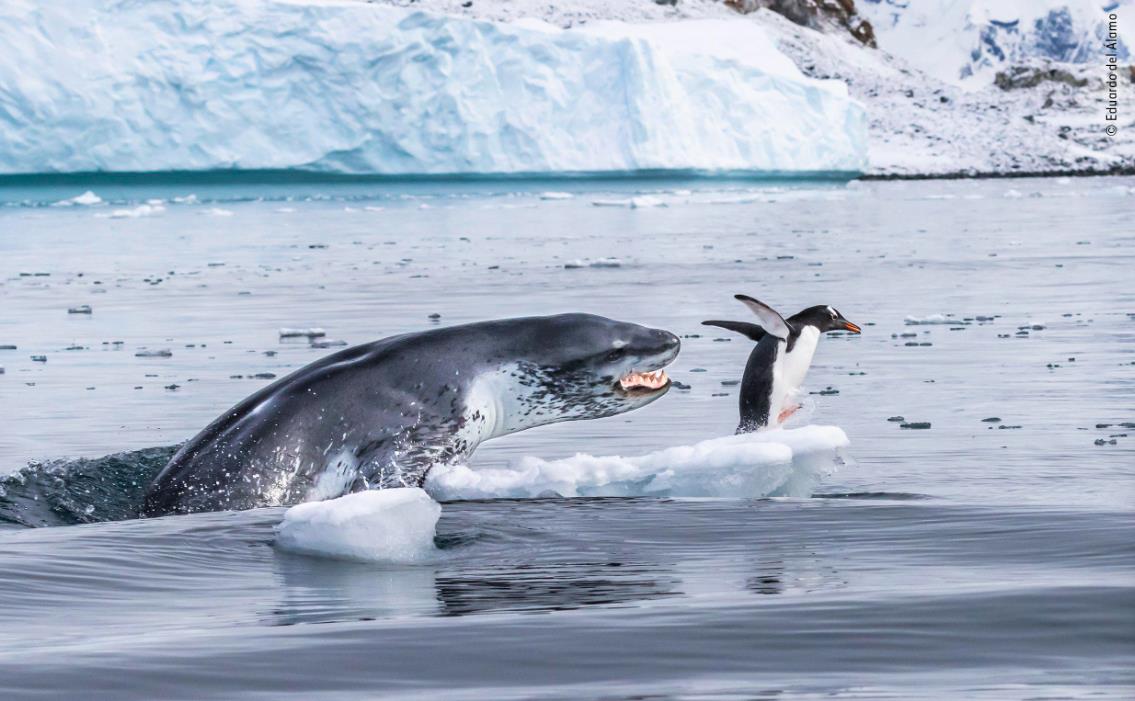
column 823, row 15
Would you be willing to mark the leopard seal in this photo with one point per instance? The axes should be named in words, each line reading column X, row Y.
column 381, row 414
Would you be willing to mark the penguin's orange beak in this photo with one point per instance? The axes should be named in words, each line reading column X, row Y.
column 853, row 328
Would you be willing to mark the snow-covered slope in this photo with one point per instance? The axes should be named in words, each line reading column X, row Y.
column 955, row 40
column 350, row 87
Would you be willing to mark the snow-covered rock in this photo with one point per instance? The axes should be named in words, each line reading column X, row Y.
column 351, row 87
column 955, row 40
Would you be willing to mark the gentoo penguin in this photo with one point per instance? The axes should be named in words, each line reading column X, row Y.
column 780, row 361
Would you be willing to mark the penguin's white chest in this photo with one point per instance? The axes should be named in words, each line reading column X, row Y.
column 797, row 361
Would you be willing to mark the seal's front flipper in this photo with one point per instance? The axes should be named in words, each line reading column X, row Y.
column 753, row 332
column 771, row 320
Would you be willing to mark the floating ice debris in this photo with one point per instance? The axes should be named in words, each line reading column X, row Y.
column 896, row 419
column 142, row 210
column 679, row 385
column 188, row 199
column 1, row 369
column 328, row 344
column 81, row 309
column 285, row 210
column 606, row 263
column 916, row 425
column 783, row 462
column 382, row 525
column 172, row 387
column 435, row 316
column 263, row 376
column 160, row 353
column 39, row 358
column 637, row 202
column 933, row 320
column 7, row 346
column 600, row 263
column 297, row 333
column 556, row 196
column 368, row 208
column 1013, row 194
column 87, row 199
column 218, row 212
column 991, row 420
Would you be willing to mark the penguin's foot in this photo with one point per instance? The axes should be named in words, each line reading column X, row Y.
column 785, row 414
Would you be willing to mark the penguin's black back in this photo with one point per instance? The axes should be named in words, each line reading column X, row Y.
column 756, row 385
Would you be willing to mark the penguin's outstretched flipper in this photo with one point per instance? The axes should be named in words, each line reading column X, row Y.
column 753, row 332
column 770, row 319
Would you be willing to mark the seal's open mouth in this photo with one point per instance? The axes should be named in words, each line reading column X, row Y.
column 644, row 382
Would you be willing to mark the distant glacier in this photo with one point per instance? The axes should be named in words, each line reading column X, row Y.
column 352, row 88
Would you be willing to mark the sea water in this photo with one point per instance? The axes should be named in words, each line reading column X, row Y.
column 987, row 556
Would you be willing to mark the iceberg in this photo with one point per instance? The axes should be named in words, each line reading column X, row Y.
column 353, row 88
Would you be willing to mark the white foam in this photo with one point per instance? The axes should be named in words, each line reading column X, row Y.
column 783, row 462
column 384, row 525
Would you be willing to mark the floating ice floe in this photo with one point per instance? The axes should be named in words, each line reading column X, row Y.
column 142, row 210
column 298, row 333
column 87, row 199
column 556, row 196
column 784, row 462
column 600, row 263
column 639, row 202
column 80, row 309
column 934, row 320
column 218, row 212
column 384, row 525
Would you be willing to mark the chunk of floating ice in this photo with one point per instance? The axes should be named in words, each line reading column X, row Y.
column 783, row 462
column 81, row 309
column 601, row 263
column 86, row 199
column 296, row 333
column 933, row 319
column 633, row 202
column 142, row 210
column 556, row 196
column 384, row 525
column 218, row 212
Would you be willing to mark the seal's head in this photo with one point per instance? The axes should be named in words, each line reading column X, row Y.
column 581, row 366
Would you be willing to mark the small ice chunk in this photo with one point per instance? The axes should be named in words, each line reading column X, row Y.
column 297, row 333
column 606, row 263
column 142, row 210
column 382, row 525
column 556, row 196
column 218, row 212
column 933, row 320
column 633, row 202
column 1013, row 194
column 81, row 309
column 87, row 199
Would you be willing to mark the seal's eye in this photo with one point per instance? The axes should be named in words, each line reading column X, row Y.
column 615, row 355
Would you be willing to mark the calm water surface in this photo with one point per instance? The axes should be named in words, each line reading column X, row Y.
column 975, row 559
